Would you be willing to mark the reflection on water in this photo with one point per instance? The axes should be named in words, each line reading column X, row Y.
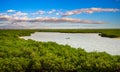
column 88, row 41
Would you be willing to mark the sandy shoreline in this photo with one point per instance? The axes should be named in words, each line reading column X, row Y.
column 117, row 38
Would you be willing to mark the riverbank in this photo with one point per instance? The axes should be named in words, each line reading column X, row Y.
column 88, row 41
column 111, row 33
column 117, row 38
column 19, row 55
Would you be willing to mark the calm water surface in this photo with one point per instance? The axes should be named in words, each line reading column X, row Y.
column 88, row 41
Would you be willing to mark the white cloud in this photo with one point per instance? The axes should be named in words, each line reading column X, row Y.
column 10, row 10
column 47, row 12
column 52, row 11
column 5, row 18
column 48, row 20
column 57, row 14
column 40, row 12
column 90, row 11
column 19, row 13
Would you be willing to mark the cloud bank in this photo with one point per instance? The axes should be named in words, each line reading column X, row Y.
column 47, row 20
column 51, row 16
column 89, row 11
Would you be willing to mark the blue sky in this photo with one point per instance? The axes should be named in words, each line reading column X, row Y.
column 60, row 14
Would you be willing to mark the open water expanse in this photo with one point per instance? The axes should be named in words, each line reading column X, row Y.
column 88, row 41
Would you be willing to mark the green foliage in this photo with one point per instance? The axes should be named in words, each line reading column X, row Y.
column 19, row 55
column 112, row 33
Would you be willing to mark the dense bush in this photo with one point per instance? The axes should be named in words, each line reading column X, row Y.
column 19, row 55
column 112, row 33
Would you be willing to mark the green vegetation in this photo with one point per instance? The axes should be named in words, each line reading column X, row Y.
column 19, row 55
column 112, row 33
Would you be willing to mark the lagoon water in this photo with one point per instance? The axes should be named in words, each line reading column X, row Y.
column 88, row 41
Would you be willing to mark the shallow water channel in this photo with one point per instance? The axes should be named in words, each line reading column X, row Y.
column 88, row 41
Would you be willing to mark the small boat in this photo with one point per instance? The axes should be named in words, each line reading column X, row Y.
column 67, row 38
